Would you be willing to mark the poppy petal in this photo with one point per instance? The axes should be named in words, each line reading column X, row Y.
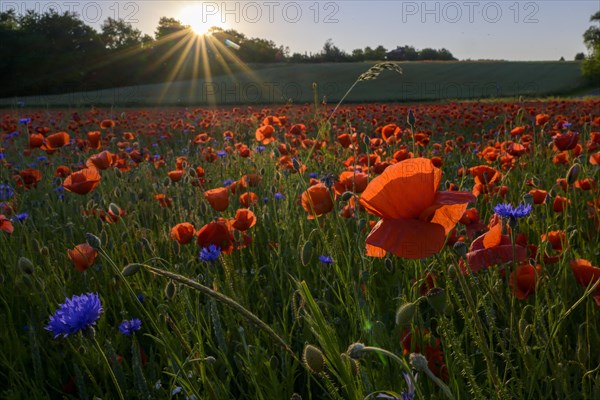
column 493, row 237
column 413, row 239
column 403, row 190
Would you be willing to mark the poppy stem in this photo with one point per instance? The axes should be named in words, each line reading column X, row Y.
column 228, row 302
column 110, row 370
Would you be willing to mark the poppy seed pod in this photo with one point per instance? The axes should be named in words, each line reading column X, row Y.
column 573, row 173
column 436, row 298
column 418, row 361
column 131, row 269
column 313, row 359
column 356, row 351
column 405, row 313
column 93, row 241
column 25, row 265
column 460, row 248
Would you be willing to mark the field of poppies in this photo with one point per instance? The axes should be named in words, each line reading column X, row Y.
column 381, row 251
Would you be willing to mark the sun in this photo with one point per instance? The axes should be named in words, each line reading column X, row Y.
column 200, row 20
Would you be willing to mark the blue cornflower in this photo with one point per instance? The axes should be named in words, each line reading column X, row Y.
column 76, row 314
column 279, row 196
column 210, row 253
column 12, row 135
column 42, row 158
column 228, row 182
column 140, row 297
column 2, row 156
column 326, row 260
column 127, row 328
column 313, row 175
column 20, row 217
column 6, row 192
column 175, row 391
column 25, row 121
column 506, row 210
column 221, row 153
column 260, row 149
column 408, row 395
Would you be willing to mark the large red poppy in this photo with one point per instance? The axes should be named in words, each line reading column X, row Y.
column 415, row 217
column 585, row 275
column 82, row 181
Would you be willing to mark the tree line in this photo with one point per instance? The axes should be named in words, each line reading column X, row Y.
column 51, row 52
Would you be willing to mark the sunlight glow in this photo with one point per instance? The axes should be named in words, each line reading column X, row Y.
column 200, row 22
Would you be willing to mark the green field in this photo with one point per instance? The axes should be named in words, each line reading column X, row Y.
column 281, row 83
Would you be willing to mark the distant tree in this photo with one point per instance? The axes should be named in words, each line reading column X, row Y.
column 562, row 59
column 591, row 65
column 258, row 50
column 579, row 56
column 331, row 53
column 168, row 26
column 358, row 55
column 118, row 34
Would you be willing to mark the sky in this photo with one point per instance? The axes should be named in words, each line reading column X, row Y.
column 502, row 29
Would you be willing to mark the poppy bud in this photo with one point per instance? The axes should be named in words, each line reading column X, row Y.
column 411, row 118
column 354, row 364
column 460, row 248
column 347, row 196
column 405, row 313
column 296, row 164
column 170, row 290
column 192, row 172
column 45, row 251
column 210, row 360
column 573, row 173
column 276, row 152
column 388, row 264
column 313, row 359
column 93, row 241
column 115, row 209
column 418, row 361
column 25, row 265
column 436, row 298
column 131, row 269
column 167, row 181
column 356, row 351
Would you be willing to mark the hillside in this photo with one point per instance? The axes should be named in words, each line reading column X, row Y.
column 280, row 83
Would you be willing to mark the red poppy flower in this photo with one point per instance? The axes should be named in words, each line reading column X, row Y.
column 413, row 343
column 28, row 178
column 541, row 119
column 218, row 198
column 56, row 140
column 36, row 140
column 82, row 181
column 539, row 196
column 345, row 140
column 217, row 233
column 248, row 198
column 62, row 171
column 6, row 225
column 175, row 175
column 107, row 123
column 523, row 279
column 560, row 203
column 415, row 217
column 102, row 161
column 163, row 200
column 183, row 233
column 244, row 220
column 83, row 256
column 264, row 134
column 586, row 275
column 94, row 139
column 351, row 181
column 493, row 248
column 316, row 200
